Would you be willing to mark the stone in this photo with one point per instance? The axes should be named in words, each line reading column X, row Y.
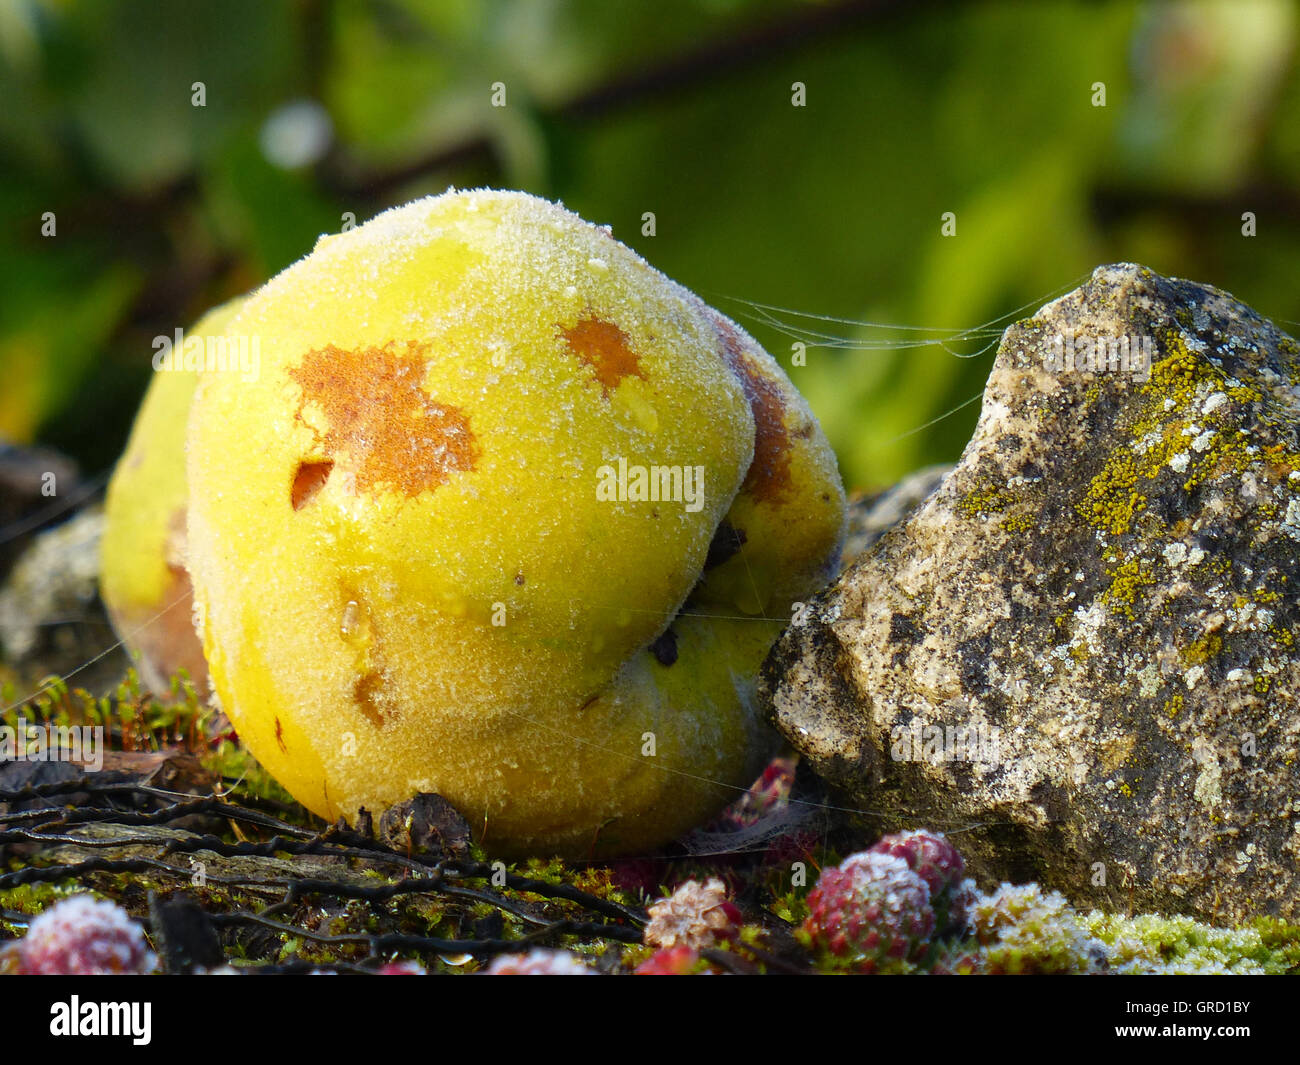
column 870, row 516
column 37, row 487
column 1078, row 654
column 51, row 618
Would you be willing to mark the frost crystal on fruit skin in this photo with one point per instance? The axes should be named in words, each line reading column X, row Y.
column 695, row 915
column 82, row 936
column 540, row 961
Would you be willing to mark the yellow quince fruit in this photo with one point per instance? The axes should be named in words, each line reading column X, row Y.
column 143, row 581
column 453, row 537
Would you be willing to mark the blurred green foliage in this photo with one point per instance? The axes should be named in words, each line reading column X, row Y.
column 678, row 107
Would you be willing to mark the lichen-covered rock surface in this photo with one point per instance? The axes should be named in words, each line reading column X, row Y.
column 1080, row 649
column 51, row 618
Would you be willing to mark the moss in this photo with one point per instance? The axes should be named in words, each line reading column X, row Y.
column 1150, row 943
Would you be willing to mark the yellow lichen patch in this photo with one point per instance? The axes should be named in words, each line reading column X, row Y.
column 378, row 414
column 1202, row 650
column 1025, row 521
column 1127, row 581
column 1163, row 436
column 985, row 498
column 1113, row 500
column 1116, row 751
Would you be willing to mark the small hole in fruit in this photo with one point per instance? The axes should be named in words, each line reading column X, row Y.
column 309, row 480
column 665, row 648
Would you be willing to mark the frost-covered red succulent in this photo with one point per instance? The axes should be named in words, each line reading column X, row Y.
column 929, row 854
column 81, row 936
column 695, row 915
column 872, row 913
column 763, row 820
column 770, row 791
column 680, row 960
column 540, row 961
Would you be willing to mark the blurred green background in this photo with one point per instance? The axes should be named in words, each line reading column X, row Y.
column 316, row 108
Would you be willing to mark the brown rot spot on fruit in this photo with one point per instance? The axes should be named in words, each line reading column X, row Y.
column 376, row 410
column 665, row 648
column 605, row 348
column 279, row 737
column 366, row 694
column 309, row 480
column 768, row 478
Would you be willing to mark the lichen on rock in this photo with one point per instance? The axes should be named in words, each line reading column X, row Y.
column 1082, row 644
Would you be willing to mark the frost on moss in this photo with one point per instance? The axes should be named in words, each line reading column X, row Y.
column 1149, row 943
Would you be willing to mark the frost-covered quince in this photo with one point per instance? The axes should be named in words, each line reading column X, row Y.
column 454, row 537
column 143, row 580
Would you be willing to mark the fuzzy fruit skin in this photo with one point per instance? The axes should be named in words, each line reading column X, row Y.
column 143, row 581
column 439, row 390
column 870, row 914
column 790, row 507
